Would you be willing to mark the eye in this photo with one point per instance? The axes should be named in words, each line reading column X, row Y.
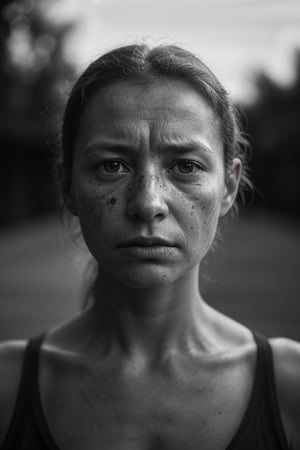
column 188, row 167
column 111, row 166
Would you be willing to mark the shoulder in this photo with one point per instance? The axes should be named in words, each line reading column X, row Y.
column 11, row 363
column 286, row 355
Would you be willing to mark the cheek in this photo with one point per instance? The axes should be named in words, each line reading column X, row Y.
column 201, row 214
column 205, row 202
column 94, row 204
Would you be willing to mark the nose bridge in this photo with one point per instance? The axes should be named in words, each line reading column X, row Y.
column 147, row 198
column 148, row 181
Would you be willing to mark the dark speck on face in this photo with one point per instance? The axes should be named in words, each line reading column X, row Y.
column 111, row 201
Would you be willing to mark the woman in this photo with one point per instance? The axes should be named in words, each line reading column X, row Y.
column 152, row 161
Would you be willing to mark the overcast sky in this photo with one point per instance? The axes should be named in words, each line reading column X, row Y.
column 234, row 37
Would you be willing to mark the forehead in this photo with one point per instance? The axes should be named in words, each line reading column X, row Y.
column 168, row 109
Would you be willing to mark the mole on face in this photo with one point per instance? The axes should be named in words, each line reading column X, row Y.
column 111, row 201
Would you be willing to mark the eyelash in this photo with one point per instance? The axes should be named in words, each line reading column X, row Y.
column 195, row 164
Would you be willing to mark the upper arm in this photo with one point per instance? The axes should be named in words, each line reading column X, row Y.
column 286, row 354
column 11, row 363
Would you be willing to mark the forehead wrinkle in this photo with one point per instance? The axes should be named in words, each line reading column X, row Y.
column 139, row 119
column 131, row 134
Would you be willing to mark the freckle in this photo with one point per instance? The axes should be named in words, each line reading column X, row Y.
column 113, row 201
column 193, row 207
column 192, row 228
column 192, row 214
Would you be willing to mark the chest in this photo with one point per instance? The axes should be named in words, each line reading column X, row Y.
column 199, row 409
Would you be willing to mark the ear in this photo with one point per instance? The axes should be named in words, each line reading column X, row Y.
column 66, row 188
column 232, row 181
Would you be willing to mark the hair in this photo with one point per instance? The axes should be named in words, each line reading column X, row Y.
column 147, row 63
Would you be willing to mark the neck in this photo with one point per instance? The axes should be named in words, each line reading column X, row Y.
column 151, row 322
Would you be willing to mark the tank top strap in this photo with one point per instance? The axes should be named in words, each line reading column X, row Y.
column 30, row 370
column 23, row 404
column 268, row 390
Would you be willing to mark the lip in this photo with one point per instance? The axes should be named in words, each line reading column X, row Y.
column 143, row 241
column 148, row 251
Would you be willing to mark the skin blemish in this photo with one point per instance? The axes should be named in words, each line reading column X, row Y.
column 113, row 201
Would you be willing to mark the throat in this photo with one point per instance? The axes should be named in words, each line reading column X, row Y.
column 151, row 339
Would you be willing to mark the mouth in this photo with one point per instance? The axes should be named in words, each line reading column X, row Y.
column 147, row 247
column 143, row 241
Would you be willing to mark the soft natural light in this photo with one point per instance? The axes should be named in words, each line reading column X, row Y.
column 234, row 37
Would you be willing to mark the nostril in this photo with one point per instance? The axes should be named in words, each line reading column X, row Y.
column 147, row 207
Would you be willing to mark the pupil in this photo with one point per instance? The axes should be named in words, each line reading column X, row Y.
column 187, row 167
column 111, row 165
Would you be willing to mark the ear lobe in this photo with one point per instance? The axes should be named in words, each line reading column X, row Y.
column 231, row 186
column 67, row 191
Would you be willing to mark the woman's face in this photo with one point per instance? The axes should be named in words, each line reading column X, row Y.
column 148, row 162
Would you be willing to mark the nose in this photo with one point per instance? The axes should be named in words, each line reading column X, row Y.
column 147, row 200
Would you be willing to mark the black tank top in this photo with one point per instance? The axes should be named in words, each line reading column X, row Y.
column 260, row 429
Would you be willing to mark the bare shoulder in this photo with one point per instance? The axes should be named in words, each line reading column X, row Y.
column 11, row 363
column 286, row 354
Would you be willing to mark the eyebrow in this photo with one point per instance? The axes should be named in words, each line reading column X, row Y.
column 174, row 147
column 186, row 147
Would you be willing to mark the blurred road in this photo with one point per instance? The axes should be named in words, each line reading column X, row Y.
column 254, row 276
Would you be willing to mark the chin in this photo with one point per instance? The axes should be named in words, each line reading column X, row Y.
column 148, row 277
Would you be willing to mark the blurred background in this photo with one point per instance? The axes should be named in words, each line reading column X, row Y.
column 253, row 46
